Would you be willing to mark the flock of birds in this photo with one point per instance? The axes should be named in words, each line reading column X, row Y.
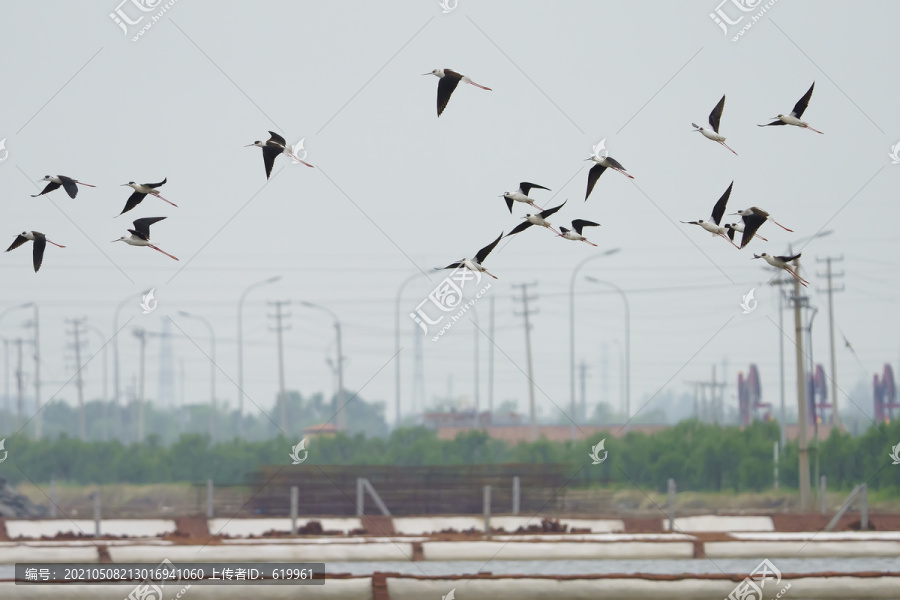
column 751, row 219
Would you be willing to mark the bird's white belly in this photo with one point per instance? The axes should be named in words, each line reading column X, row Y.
column 712, row 135
column 789, row 120
column 712, row 227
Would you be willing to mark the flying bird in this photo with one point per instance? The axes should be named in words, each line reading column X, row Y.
column 603, row 162
column 578, row 225
column 781, row 262
column 794, row 117
column 140, row 235
column 718, row 211
column 475, row 264
column 521, row 195
column 271, row 148
column 67, row 183
column 714, row 117
column 449, row 79
column 538, row 219
column 140, row 192
column 40, row 243
column 739, row 228
column 753, row 219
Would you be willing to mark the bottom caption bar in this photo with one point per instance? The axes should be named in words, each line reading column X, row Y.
column 169, row 573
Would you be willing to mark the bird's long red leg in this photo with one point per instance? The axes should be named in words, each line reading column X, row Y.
column 89, row 185
column 479, row 85
column 816, row 130
column 300, row 160
column 802, row 281
column 591, row 243
column 780, row 225
column 761, row 237
column 54, row 243
column 730, row 241
column 491, row 274
column 623, row 173
column 164, row 200
column 726, row 145
column 163, row 251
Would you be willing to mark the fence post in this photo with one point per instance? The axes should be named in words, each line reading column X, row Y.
column 515, row 495
column 486, row 502
column 864, row 508
column 360, row 497
column 822, row 488
column 209, row 499
column 54, row 499
column 97, row 512
column 671, row 504
column 295, row 494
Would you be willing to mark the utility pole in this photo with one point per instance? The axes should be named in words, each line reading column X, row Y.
column 526, row 313
column 802, row 443
column 141, row 335
column 20, row 385
column 708, row 412
column 278, row 329
column 491, row 361
column 582, row 376
column 835, row 416
column 79, row 381
column 37, row 374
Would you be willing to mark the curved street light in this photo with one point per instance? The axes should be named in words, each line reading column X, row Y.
column 339, row 413
column 212, row 370
column 621, row 292
column 240, row 347
column 397, row 342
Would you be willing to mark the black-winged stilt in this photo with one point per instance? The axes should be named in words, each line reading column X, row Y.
column 753, row 219
column 794, row 117
column 538, row 219
column 603, row 162
column 739, row 228
column 521, row 195
column 578, row 225
column 475, row 264
column 67, row 183
column 714, row 118
column 140, row 192
column 140, row 235
column 449, row 79
column 718, row 211
column 271, row 148
column 40, row 243
column 781, row 262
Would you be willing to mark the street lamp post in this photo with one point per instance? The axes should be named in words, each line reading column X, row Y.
column 621, row 292
column 212, row 370
column 572, row 331
column 340, row 414
column 97, row 330
column 115, row 340
column 397, row 343
column 240, row 347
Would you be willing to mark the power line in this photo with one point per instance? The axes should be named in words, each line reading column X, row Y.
column 835, row 416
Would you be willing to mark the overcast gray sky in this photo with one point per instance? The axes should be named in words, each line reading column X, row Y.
column 396, row 189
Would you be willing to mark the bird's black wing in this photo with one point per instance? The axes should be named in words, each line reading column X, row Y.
column 133, row 200
column 751, row 224
column 446, row 85
column 142, row 226
column 579, row 224
column 274, row 137
column 614, row 163
column 20, row 239
column 564, row 230
column 803, row 102
column 156, row 185
column 775, row 122
column 719, row 209
column 730, row 232
column 509, row 203
column 40, row 242
column 69, row 185
column 527, row 187
column 550, row 211
column 269, row 154
column 716, row 115
column 519, row 228
column 483, row 253
column 455, row 265
column 50, row 187
column 593, row 175
column 788, row 259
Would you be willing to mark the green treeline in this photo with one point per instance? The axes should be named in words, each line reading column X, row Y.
column 698, row 456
